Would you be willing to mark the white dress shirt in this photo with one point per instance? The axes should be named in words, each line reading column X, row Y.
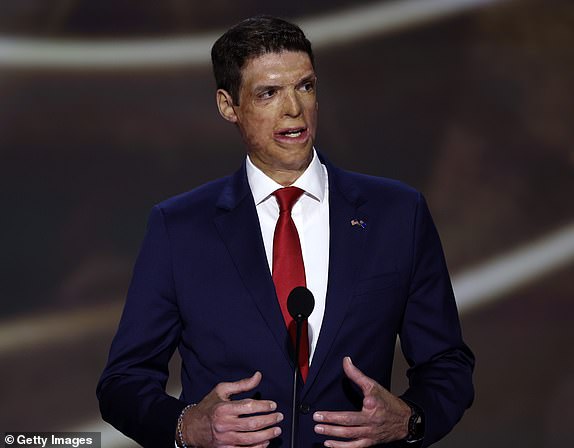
column 311, row 217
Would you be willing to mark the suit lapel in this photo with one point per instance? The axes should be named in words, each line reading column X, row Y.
column 345, row 250
column 238, row 226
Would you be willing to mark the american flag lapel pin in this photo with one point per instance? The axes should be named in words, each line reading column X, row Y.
column 358, row 222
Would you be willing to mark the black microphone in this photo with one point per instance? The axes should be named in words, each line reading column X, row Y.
column 300, row 304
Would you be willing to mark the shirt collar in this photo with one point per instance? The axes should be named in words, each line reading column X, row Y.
column 312, row 181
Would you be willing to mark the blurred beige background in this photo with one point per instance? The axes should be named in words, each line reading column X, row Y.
column 107, row 108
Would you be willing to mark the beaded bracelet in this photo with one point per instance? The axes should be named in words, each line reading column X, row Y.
column 181, row 443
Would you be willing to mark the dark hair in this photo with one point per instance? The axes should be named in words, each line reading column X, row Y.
column 251, row 38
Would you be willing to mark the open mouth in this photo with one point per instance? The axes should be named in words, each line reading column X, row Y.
column 292, row 132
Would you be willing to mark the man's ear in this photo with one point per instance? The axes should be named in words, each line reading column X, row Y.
column 225, row 105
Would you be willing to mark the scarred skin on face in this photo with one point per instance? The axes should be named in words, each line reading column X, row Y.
column 277, row 113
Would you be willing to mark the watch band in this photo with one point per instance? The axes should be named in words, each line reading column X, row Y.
column 416, row 426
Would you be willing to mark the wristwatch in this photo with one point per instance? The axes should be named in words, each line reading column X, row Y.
column 416, row 426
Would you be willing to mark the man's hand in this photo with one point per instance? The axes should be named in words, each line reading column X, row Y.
column 217, row 421
column 384, row 417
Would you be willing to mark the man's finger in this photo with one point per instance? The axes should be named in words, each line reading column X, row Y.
column 343, row 418
column 344, row 432
column 249, row 406
column 226, row 418
column 359, row 443
column 356, row 376
column 226, row 390
column 255, row 438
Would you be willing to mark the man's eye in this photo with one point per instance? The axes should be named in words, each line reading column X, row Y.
column 266, row 94
column 308, row 87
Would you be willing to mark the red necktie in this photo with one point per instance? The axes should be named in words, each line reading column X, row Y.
column 288, row 268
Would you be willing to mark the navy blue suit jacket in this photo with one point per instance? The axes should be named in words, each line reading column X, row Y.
column 202, row 284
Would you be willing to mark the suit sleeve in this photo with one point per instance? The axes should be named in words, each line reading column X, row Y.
column 441, row 365
column 131, row 390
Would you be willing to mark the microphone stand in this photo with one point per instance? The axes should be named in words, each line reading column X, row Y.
column 295, row 416
column 300, row 305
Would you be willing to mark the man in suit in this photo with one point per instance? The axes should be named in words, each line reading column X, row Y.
column 206, row 282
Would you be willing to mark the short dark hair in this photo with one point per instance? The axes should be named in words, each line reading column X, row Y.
column 251, row 38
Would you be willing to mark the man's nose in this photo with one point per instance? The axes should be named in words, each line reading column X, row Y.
column 292, row 104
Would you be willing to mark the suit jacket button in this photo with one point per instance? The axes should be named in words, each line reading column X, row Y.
column 304, row 408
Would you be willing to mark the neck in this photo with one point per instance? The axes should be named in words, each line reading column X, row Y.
column 284, row 176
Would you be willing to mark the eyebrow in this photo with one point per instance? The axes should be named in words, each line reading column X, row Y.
column 311, row 77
